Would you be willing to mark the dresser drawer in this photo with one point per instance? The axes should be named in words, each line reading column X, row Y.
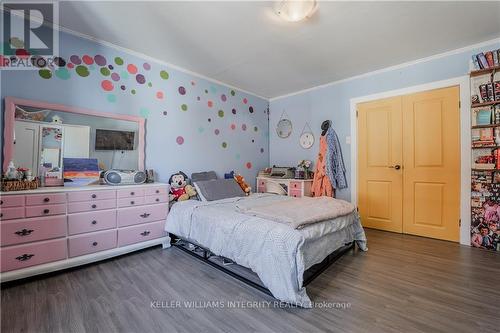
column 154, row 199
column 143, row 214
column 130, row 192
column 90, row 243
column 160, row 190
column 91, row 221
column 295, row 186
column 130, row 202
column 261, row 189
column 141, row 233
column 34, row 229
column 91, row 195
column 296, row 193
column 45, row 199
column 47, row 210
column 21, row 256
column 87, row 206
column 11, row 213
column 11, row 201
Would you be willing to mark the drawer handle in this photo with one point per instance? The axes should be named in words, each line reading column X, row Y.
column 157, row 199
column 94, row 244
column 24, row 232
column 132, row 202
column 25, row 257
column 46, row 211
column 132, row 193
column 145, row 233
column 157, row 191
column 94, row 222
column 94, row 206
column 94, row 196
column 46, row 199
column 144, row 215
column 1, row 214
column 1, row 202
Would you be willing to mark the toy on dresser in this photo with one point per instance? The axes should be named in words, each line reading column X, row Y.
column 179, row 188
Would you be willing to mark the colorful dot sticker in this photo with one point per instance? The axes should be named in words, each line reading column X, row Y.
column 209, row 120
column 118, row 61
column 245, row 101
column 233, row 111
column 140, row 79
column 115, row 77
column 62, row 73
column 248, row 165
column 122, row 87
column 132, row 91
column 210, row 104
column 184, row 107
column 146, row 66
column 179, row 140
column 144, row 112
column 165, row 113
column 233, row 126
column 223, row 98
column 213, row 90
column 111, row 98
column 224, row 144
column 131, row 68
column 100, row 60
column 83, row 71
column 107, row 85
column 87, row 60
column 164, row 75
column 159, row 94
column 261, row 150
column 233, row 93
column 216, row 132
column 250, row 109
column 221, row 113
column 59, row 61
column 244, row 127
column 255, row 128
column 124, row 75
column 182, row 90
column 69, row 65
column 75, row 59
column 45, row 73
column 105, row 71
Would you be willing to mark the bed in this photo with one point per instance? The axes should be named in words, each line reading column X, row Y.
column 276, row 252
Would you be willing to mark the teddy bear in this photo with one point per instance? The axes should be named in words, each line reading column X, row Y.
column 179, row 188
column 241, row 181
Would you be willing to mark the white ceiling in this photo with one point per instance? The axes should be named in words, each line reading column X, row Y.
column 245, row 45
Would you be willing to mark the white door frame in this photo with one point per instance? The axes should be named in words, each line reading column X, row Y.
column 465, row 142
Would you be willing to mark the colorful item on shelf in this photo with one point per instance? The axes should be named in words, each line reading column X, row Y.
column 483, row 117
column 80, row 171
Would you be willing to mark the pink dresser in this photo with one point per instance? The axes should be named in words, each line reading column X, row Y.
column 55, row 228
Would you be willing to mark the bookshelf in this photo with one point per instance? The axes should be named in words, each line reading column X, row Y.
column 484, row 71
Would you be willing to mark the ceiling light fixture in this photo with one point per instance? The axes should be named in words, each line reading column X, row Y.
column 295, row 10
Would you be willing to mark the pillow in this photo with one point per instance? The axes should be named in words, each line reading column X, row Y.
column 199, row 176
column 210, row 190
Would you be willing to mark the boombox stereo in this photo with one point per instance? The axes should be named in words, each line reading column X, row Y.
column 124, row 177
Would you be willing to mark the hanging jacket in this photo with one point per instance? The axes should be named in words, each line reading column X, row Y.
column 321, row 185
column 335, row 167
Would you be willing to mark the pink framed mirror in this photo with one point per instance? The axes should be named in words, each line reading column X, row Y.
column 38, row 133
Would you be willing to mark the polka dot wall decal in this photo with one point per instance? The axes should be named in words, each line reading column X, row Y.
column 165, row 113
column 164, row 75
column 193, row 83
column 150, row 84
column 104, row 71
column 244, row 127
column 100, row 60
column 146, row 66
column 179, row 140
column 201, row 129
column 213, row 90
column 144, row 112
column 255, row 128
column 115, row 77
column 198, row 98
column 87, row 60
column 237, row 156
column 233, row 126
column 223, row 98
column 206, row 91
column 159, row 94
column 216, row 132
column 131, row 69
column 210, row 104
column 245, row 101
column 111, row 98
column 184, row 107
column 70, row 65
column 59, row 61
column 140, row 78
column 111, row 67
column 233, row 111
column 22, row 53
column 62, row 73
column 250, row 109
column 118, row 61
column 107, row 85
column 224, row 144
column 122, row 87
column 182, row 90
column 221, row 113
column 233, row 93
column 132, row 91
column 75, row 59
column 124, row 75
column 91, row 67
column 45, row 73
column 261, row 150
column 209, row 120
column 248, row 165
column 81, row 70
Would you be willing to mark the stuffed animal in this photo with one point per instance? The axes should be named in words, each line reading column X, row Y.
column 244, row 186
column 179, row 188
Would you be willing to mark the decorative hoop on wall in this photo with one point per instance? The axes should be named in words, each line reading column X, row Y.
column 306, row 139
column 284, row 126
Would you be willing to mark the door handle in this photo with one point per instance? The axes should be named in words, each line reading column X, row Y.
column 397, row 166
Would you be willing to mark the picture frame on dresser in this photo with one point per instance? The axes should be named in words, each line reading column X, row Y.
column 53, row 228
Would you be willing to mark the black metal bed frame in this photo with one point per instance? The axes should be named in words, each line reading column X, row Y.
column 204, row 254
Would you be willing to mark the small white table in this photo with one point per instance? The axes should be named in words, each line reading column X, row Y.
column 292, row 187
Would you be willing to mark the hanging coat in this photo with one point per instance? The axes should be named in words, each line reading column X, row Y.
column 335, row 167
column 321, row 185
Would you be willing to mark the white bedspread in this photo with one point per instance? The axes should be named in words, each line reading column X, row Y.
column 275, row 251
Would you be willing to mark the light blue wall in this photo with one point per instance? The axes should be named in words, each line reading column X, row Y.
column 201, row 150
column 333, row 102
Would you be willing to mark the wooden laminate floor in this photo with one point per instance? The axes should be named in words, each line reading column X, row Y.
column 402, row 284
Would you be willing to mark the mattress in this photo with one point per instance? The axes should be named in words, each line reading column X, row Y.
column 277, row 253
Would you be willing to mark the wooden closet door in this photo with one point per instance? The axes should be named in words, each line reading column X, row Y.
column 431, row 146
column 380, row 182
